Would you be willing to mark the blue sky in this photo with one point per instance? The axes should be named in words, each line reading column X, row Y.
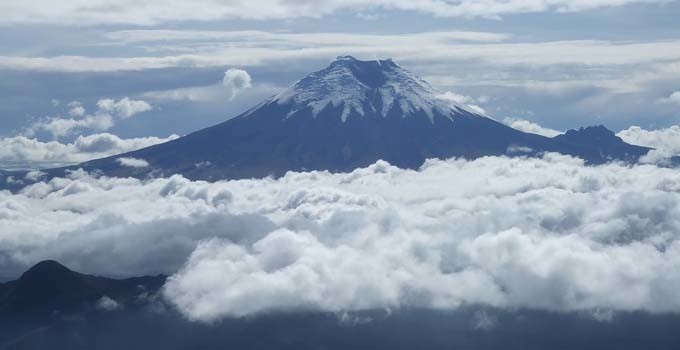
column 559, row 63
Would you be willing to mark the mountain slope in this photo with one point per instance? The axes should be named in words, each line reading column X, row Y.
column 346, row 116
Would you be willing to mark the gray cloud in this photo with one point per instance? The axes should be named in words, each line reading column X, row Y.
column 545, row 233
column 175, row 48
column 565, row 82
column 93, row 12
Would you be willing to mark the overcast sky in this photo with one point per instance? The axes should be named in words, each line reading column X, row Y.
column 161, row 66
column 82, row 79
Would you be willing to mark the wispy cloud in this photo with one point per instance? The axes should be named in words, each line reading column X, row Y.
column 97, row 12
column 530, row 127
column 107, row 113
column 483, row 58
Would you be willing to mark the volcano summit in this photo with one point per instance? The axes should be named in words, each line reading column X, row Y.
column 345, row 116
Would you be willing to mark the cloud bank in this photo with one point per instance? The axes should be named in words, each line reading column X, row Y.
column 545, row 233
column 667, row 139
column 95, row 12
column 20, row 152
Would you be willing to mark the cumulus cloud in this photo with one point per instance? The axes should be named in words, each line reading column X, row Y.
column 76, row 109
column 665, row 139
column 20, row 152
column 132, row 162
column 530, row 127
column 60, row 127
column 124, row 108
column 674, row 98
column 545, row 233
column 104, row 118
column 105, row 303
column 83, row 12
column 236, row 80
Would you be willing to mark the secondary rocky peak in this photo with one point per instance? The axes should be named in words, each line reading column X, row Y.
column 47, row 268
column 591, row 135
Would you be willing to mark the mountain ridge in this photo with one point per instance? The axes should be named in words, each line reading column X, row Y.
column 50, row 287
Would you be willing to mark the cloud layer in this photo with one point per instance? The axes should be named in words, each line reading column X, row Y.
column 20, row 152
column 93, row 12
column 541, row 233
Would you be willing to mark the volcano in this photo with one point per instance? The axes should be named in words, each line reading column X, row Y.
column 345, row 116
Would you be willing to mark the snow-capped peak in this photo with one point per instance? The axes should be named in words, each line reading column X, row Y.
column 367, row 87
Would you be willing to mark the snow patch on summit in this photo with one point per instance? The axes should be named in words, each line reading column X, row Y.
column 366, row 87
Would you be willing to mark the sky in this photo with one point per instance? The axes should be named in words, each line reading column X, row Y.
column 84, row 79
column 168, row 68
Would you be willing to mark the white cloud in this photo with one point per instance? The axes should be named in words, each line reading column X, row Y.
column 104, row 118
column 530, row 127
column 105, row 303
column 657, row 156
column 76, row 109
column 545, row 233
column 236, row 80
column 93, row 12
column 462, row 100
column 666, row 142
column 20, row 152
column 674, row 98
column 60, row 127
column 456, row 98
column 124, row 108
column 667, row 139
column 132, row 162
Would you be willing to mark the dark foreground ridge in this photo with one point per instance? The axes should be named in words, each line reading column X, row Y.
column 49, row 288
column 52, row 307
column 343, row 117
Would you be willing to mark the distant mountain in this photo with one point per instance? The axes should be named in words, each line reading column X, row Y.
column 49, row 288
column 346, row 116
